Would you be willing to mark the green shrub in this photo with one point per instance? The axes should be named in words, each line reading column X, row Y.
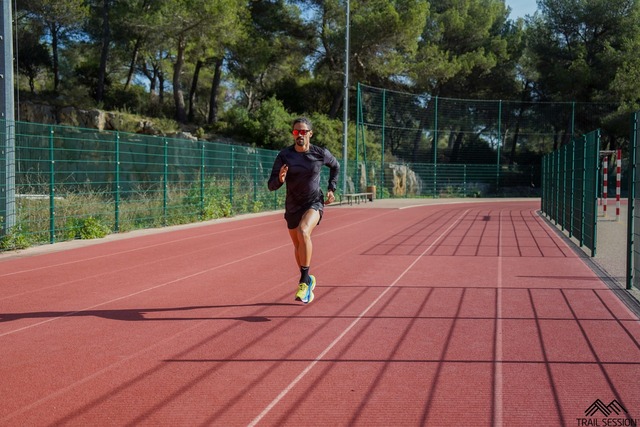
column 85, row 228
column 15, row 239
column 216, row 203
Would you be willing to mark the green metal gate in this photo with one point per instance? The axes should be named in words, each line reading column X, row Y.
column 569, row 188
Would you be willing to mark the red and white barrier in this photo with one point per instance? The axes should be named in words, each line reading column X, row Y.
column 605, row 180
column 605, row 183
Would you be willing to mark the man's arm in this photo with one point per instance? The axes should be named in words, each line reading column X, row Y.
column 274, row 179
column 334, row 166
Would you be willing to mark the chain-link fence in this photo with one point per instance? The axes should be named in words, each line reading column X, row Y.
column 59, row 183
column 79, row 183
column 459, row 146
column 570, row 188
column 573, row 180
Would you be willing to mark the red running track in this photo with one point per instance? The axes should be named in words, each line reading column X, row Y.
column 469, row 314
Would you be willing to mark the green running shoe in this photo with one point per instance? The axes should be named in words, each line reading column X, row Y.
column 305, row 292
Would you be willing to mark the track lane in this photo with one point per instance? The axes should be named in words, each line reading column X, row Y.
column 216, row 349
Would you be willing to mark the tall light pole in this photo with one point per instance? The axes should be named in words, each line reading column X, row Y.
column 7, row 123
column 345, row 124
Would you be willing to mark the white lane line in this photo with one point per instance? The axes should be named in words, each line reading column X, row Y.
column 111, row 272
column 71, row 313
column 309, row 367
column 136, row 249
column 498, row 378
column 160, row 285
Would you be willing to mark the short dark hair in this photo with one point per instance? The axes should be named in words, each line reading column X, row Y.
column 304, row 120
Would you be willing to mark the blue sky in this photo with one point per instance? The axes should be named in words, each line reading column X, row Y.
column 520, row 8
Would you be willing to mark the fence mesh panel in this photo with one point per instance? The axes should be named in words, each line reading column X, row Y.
column 500, row 143
column 68, row 180
column 570, row 188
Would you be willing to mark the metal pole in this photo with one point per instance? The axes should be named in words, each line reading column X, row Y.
column 573, row 120
column 499, row 144
column 165, row 187
column 435, row 149
column 202, row 178
column 345, row 119
column 117, row 184
column 52, row 187
column 384, row 115
column 7, row 145
column 633, row 171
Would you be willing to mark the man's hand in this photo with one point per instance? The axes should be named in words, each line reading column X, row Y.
column 283, row 173
column 330, row 198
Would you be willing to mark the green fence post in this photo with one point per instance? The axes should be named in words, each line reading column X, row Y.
column 549, row 176
column 549, row 184
column 544, row 203
column 117, row 185
column 573, row 186
column 255, row 179
column 633, row 147
column 556, row 156
column 384, row 115
column 202, row 178
column 52, row 182
column 356, row 183
column 435, row 148
column 573, row 119
column 499, row 144
column 231, row 176
column 165, row 188
column 562, row 181
column 359, row 135
column 359, row 130
column 464, row 180
column 594, row 198
column 550, row 195
column 584, row 185
column 542, row 183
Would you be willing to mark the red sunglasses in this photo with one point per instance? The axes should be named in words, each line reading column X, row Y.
column 302, row 132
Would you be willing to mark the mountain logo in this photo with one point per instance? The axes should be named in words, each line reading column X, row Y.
column 606, row 410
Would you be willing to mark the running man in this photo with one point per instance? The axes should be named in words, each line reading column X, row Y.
column 299, row 165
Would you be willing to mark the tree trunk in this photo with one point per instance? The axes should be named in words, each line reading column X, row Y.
column 512, row 155
column 178, row 94
column 521, row 110
column 418, row 137
column 457, row 145
column 194, row 88
column 215, row 87
column 152, row 76
column 132, row 64
column 338, row 97
column 56, row 62
column 160, row 87
column 104, row 54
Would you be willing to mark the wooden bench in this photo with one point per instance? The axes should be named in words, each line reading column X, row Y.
column 356, row 197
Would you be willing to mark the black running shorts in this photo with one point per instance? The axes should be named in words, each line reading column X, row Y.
column 293, row 219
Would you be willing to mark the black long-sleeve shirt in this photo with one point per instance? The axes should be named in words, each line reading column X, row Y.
column 303, row 176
